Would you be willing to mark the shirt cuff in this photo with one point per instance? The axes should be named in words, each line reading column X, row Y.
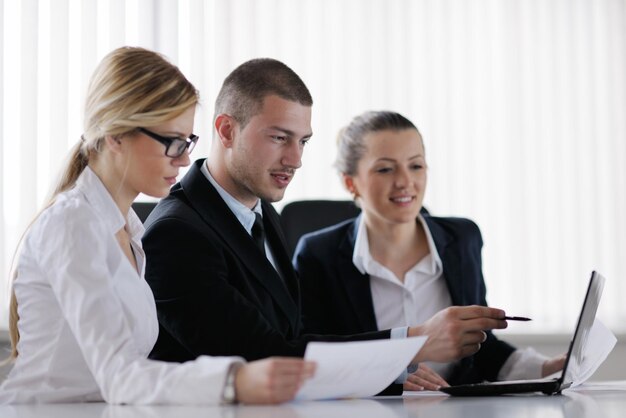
column 397, row 333
column 522, row 364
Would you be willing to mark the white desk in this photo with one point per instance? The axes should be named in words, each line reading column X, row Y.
column 609, row 404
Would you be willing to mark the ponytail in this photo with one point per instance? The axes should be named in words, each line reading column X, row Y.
column 78, row 160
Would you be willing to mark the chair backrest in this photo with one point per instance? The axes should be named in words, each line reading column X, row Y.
column 143, row 209
column 300, row 217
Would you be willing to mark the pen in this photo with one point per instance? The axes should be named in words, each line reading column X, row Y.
column 517, row 318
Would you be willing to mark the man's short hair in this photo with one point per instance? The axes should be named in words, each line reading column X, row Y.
column 243, row 91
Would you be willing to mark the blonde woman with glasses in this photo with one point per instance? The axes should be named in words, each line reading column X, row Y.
column 83, row 320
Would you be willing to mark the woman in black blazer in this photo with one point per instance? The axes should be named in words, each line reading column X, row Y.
column 393, row 266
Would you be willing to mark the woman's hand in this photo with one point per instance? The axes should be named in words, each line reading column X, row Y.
column 553, row 365
column 456, row 332
column 424, row 378
column 272, row 380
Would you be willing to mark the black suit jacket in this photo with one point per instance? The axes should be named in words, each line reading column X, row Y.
column 215, row 292
column 337, row 297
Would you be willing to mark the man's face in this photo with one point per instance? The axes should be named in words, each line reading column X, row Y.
column 267, row 151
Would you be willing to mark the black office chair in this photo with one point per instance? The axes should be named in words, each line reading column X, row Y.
column 298, row 218
column 143, row 209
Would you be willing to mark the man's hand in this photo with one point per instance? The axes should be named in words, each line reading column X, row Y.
column 456, row 332
column 424, row 378
column 273, row 380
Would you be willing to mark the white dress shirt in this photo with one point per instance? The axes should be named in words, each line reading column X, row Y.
column 423, row 294
column 88, row 319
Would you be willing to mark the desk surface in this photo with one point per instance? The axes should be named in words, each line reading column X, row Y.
column 607, row 404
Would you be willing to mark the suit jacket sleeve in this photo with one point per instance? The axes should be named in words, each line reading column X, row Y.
column 488, row 361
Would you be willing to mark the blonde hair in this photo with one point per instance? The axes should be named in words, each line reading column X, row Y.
column 130, row 88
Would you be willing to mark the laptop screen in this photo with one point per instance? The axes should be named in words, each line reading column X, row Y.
column 587, row 316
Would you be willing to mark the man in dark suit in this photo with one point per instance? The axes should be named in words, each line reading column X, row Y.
column 222, row 286
column 324, row 260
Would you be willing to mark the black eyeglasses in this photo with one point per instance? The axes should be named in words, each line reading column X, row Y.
column 174, row 146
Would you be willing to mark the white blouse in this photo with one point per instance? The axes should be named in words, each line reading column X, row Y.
column 88, row 320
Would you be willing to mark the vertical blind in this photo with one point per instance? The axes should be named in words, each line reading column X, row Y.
column 522, row 105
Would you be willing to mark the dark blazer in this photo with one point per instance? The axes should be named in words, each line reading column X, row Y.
column 215, row 292
column 336, row 297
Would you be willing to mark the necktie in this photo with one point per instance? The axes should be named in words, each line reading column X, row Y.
column 258, row 232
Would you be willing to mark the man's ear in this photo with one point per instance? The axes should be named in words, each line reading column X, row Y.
column 225, row 126
column 114, row 143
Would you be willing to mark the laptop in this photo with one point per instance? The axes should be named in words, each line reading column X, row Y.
column 572, row 361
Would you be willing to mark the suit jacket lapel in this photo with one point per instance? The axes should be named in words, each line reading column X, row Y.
column 218, row 216
column 451, row 260
column 357, row 285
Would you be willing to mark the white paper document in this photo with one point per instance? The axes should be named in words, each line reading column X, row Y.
column 357, row 369
column 596, row 349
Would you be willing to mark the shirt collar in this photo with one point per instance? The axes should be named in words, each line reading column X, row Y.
column 437, row 265
column 90, row 185
column 362, row 258
column 244, row 215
